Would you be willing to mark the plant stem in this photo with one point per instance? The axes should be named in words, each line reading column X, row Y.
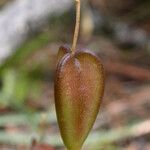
column 77, row 26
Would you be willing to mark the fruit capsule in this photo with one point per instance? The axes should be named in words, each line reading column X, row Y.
column 79, row 87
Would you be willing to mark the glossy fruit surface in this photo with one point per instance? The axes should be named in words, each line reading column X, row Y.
column 79, row 86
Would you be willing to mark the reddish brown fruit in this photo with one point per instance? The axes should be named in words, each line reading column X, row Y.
column 79, row 86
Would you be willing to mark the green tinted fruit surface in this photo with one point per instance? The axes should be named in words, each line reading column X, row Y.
column 79, row 86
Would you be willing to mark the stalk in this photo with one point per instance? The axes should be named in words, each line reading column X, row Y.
column 77, row 26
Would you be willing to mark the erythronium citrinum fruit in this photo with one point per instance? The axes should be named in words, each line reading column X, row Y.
column 79, row 87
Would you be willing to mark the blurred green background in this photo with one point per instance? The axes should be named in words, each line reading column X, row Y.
column 31, row 32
